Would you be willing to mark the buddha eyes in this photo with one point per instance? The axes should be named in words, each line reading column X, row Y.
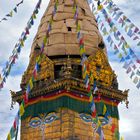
column 35, row 123
column 50, row 118
column 88, row 118
column 85, row 117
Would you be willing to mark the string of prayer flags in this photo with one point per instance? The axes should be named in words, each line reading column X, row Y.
column 17, row 48
column 131, row 30
column 12, row 134
column 117, row 36
column 92, row 104
column 84, row 62
column 128, row 53
column 81, row 47
column 14, row 10
column 30, row 84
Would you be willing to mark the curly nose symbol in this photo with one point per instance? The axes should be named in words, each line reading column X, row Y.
column 42, row 127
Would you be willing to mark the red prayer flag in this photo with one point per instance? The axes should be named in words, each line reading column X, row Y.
column 138, row 61
column 34, row 73
column 15, row 124
column 88, row 88
column 99, row 97
column 113, row 128
column 94, row 114
column 81, row 41
column 26, row 97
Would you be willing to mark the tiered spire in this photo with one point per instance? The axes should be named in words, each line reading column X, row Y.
column 63, row 35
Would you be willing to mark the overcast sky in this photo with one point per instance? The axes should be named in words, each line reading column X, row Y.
column 9, row 34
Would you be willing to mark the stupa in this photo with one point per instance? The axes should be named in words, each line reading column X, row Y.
column 58, row 106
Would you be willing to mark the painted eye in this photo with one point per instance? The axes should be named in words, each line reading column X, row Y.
column 85, row 117
column 50, row 118
column 35, row 123
column 103, row 121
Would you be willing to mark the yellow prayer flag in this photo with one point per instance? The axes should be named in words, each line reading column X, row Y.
column 22, row 42
column 98, row 123
column 84, row 74
column 126, row 28
column 9, row 137
column 82, row 50
column 45, row 40
column 114, row 29
column 104, row 109
column 31, row 84
column 126, row 45
column 120, row 55
column 34, row 16
column 100, row 7
column 90, row 98
column 21, row 109
column 38, row 59
column 11, row 13
column 122, row 138
column 78, row 27
column 91, row 79
column 74, row 9
column 0, row 78
column 51, row 21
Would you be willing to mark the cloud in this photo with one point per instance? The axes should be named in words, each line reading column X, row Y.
column 6, row 115
column 129, row 118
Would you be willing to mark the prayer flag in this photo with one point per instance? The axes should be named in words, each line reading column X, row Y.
column 21, row 109
column 87, row 83
column 9, row 137
column 92, row 106
column 94, row 114
column 89, row 1
column 104, row 109
column 136, row 79
column 13, row 132
column 31, row 83
column 138, row 72
column 15, row 9
column 132, row 74
column 22, row 42
column 126, row 65
column 91, row 98
column 138, row 85
column 26, row 97
column 45, row 40
column 31, row 21
column 113, row 128
column 128, row 70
